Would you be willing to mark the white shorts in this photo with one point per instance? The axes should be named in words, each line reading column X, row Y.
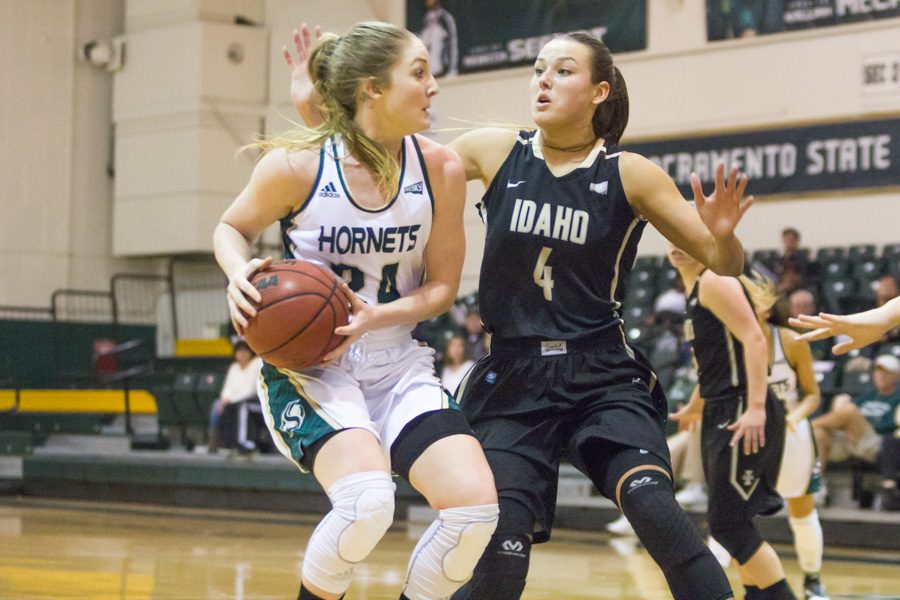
column 379, row 386
column 800, row 468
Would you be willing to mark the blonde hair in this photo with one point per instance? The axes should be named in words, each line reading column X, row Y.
column 338, row 66
column 762, row 293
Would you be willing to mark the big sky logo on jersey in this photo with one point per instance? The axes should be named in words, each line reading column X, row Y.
column 564, row 224
column 366, row 240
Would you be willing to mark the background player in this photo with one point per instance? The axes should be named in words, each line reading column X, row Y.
column 376, row 404
column 730, row 350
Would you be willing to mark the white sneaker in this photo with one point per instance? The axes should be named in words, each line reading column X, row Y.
column 693, row 494
column 820, row 497
column 722, row 555
column 620, row 526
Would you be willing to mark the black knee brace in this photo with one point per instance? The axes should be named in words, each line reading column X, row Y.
column 777, row 591
column 501, row 572
column 648, row 500
column 733, row 528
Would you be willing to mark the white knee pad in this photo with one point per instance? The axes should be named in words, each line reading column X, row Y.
column 448, row 552
column 362, row 511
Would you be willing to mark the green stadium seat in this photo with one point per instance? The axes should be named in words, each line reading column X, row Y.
column 837, row 294
column 767, row 258
column 639, row 296
column 861, row 253
column 830, row 254
column 649, row 263
column 856, row 382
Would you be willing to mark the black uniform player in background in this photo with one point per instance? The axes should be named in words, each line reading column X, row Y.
column 732, row 367
column 564, row 210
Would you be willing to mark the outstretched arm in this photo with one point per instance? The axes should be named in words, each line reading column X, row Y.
column 303, row 90
column 862, row 328
column 724, row 297
column 707, row 233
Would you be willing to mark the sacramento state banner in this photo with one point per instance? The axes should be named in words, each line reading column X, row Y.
column 727, row 19
column 795, row 160
column 466, row 36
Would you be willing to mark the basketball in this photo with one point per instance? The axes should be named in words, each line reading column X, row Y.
column 302, row 304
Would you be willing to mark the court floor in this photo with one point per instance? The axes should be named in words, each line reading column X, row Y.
column 60, row 549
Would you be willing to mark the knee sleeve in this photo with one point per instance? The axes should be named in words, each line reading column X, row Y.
column 362, row 511
column 733, row 528
column 777, row 591
column 648, row 500
column 502, row 570
column 444, row 558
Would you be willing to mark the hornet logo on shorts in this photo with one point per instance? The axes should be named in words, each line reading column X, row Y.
column 292, row 417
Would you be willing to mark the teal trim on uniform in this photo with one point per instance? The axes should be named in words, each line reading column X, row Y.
column 291, row 415
column 815, row 478
column 424, row 171
column 287, row 222
column 314, row 189
column 340, row 172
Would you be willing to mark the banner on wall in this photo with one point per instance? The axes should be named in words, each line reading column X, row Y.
column 839, row 156
column 727, row 19
column 466, row 36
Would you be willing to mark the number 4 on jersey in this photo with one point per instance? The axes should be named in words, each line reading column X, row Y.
column 543, row 275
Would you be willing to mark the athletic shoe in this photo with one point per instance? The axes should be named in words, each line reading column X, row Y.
column 820, row 497
column 692, row 494
column 620, row 526
column 813, row 588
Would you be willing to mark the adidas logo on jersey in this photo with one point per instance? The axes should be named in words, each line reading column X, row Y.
column 599, row 187
column 328, row 191
column 415, row 188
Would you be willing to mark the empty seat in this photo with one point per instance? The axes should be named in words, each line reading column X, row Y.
column 861, row 252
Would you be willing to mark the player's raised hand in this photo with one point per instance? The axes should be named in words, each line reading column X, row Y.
column 303, row 90
column 722, row 211
column 861, row 328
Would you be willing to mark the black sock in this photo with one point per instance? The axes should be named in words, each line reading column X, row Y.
column 777, row 591
column 305, row 594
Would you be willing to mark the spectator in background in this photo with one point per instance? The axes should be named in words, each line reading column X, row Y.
column 887, row 289
column 672, row 300
column 802, row 302
column 792, row 267
column 854, row 427
column 228, row 419
column 476, row 336
column 456, row 364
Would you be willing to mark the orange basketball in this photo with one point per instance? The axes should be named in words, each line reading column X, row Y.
column 302, row 304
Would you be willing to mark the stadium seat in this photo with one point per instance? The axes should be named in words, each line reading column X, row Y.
column 838, row 294
column 889, row 348
column 639, row 296
column 767, row 258
column 648, row 263
column 830, row 254
column 209, row 385
column 861, row 253
column 827, row 378
column 836, row 268
column 856, row 382
column 642, row 278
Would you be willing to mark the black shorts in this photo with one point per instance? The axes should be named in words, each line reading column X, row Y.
column 530, row 411
column 736, row 479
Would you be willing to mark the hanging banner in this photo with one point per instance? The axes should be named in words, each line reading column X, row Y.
column 465, row 36
column 727, row 19
column 839, row 156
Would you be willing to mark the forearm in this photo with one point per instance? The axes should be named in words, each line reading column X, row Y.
column 889, row 313
column 757, row 367
column 807, row 406
column 726, row 256
column 430, row 300
column 232, row 249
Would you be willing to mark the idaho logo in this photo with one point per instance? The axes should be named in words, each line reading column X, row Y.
column 292, row 417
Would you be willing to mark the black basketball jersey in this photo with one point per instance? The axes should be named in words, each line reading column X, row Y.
column 558, row 249
column 719, row 354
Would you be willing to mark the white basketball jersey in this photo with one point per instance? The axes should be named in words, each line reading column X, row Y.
column 782, row 377
column 380, row 252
